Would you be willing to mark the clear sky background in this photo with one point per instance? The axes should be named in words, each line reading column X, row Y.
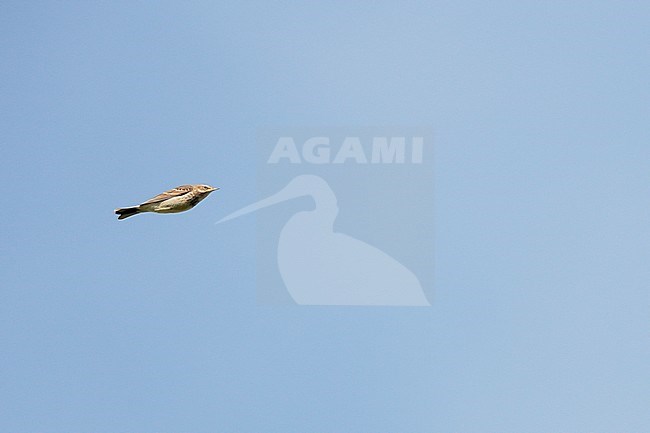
column 541, row 318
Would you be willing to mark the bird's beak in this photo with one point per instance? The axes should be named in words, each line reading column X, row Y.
column 282, row 195
column 213, row 188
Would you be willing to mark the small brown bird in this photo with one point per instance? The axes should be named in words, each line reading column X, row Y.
column 179, row 199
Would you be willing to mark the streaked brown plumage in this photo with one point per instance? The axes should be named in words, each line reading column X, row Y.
column 179, row 199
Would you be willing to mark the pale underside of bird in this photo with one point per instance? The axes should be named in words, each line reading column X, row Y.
column 179, row 199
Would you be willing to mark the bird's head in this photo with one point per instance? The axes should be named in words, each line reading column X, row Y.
column 205, row 189
column 303, row 185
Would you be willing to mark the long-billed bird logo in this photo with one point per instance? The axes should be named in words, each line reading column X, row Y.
column 322, row 267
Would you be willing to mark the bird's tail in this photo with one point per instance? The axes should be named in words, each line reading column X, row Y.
column 126, row 212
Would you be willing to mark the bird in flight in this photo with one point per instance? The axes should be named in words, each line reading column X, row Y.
column 179, row 199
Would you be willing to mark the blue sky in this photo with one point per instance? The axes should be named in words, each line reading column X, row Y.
column 540, row 321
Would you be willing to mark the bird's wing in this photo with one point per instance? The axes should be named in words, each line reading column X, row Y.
column 176, row 192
